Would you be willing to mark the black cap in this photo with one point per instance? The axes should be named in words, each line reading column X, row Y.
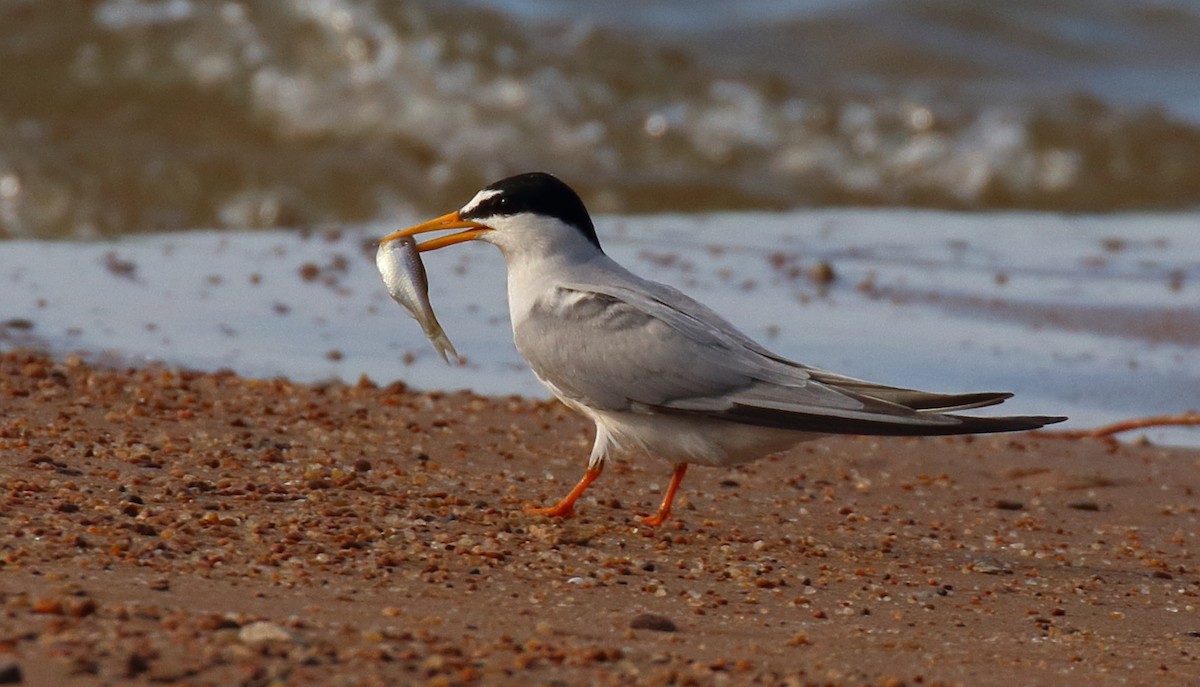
column 536, row 193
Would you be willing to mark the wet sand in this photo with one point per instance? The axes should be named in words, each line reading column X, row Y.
column 172, row 527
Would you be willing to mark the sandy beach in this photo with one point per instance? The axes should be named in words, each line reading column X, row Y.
column 227, row 457
column 172, row 527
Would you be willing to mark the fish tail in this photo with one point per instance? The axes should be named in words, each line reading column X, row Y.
column 444, row 348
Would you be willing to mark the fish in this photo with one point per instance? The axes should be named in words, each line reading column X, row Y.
column 403, row 274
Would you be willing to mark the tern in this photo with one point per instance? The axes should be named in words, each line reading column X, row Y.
column 654, row 369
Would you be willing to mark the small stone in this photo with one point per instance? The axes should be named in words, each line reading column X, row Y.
column 48, row 606
column 263, row 631
column 650, row 621
column 1006, row 504
column 81, row 608
column 136, row 663
column 17, row 323
column 10, row 673
column 309, row 272
column 121, row 268
column 990, row 567
column 822, row 274
column 799, row 639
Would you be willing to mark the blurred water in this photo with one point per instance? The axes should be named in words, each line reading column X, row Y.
column 121, row 116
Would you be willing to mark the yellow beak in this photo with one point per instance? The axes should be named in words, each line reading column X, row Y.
column 448, row 221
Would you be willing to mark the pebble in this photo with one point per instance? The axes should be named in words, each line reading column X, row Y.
column 650, row 621
column 263, row 631
column 822, row 274
column 333, row 501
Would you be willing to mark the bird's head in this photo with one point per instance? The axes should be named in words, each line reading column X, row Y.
column 523, row 214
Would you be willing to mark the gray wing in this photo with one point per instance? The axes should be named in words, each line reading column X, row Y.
column 650, row 348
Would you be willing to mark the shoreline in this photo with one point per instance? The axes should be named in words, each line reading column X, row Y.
column 193, row 528
column 1079, row 316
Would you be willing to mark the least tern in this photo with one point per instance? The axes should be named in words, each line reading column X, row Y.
column 656, row 370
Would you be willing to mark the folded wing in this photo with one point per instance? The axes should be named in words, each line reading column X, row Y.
column 646, row 347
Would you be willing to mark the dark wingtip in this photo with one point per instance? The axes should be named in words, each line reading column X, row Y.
column 1008, row 423
column 938, row 424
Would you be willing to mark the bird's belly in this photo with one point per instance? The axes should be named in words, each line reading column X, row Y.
column 696, row 440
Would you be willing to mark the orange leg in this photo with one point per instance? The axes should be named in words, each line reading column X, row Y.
column 565, row 507
column 664, row 509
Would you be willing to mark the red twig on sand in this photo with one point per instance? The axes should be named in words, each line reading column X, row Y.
column 1127, row 425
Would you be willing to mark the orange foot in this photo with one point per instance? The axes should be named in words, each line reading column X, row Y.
column 566, row 507
column 664, row 509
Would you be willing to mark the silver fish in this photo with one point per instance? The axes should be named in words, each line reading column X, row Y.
column 403, row 273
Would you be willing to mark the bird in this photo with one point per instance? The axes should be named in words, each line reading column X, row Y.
column 656, row 370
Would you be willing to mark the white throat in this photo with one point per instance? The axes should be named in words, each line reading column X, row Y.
column 540, row 253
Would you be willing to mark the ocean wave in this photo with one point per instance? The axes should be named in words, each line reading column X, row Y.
column 167, row 114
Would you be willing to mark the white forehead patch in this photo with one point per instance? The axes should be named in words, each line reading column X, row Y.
column 479, row 198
